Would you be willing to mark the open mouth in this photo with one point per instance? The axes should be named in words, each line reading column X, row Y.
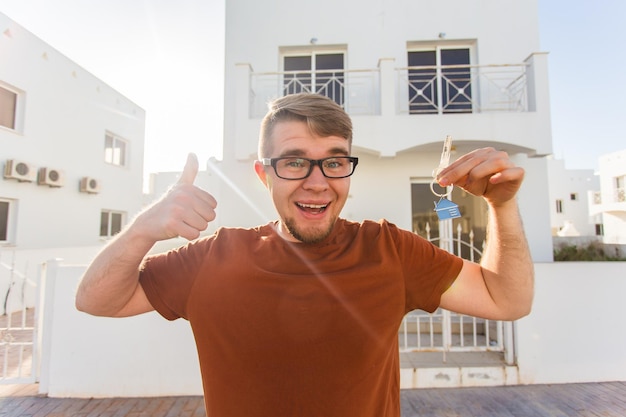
column 312, row 208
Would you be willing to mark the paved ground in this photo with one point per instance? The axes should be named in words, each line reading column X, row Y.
column 606, row 399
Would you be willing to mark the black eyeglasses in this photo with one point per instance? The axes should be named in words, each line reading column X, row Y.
column 294, row 168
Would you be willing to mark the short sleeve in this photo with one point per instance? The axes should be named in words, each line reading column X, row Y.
column 428, row 270
column 168, row 278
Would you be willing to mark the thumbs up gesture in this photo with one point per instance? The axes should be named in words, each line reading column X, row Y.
column 185, row 210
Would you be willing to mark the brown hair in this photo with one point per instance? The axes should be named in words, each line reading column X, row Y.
column 323, row 116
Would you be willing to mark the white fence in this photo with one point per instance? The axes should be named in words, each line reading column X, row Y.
column 573, row 335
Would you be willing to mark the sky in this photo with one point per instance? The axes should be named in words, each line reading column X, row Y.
column 167, row 57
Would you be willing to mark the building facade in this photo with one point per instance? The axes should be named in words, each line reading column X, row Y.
column 71, row 149
column 409, row 73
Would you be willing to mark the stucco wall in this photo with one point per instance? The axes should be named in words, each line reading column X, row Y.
column 576, row 330
column 574, row 334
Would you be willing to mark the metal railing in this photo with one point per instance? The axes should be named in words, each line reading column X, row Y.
column 619, row 196
column 18, row 332
column 418, row 90
column 462, row 89
column 357, row 91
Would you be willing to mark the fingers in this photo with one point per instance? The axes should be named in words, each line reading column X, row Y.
column 187, row 209
column 484, row 172
column 190, row 171
column 473, row 166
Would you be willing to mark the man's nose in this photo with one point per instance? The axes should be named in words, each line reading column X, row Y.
column 316, row 179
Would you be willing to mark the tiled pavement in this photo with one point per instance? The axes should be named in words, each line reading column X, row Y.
column 605, row 399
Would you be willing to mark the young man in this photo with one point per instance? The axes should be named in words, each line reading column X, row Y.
column 299, row 317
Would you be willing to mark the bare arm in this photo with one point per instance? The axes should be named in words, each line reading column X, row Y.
column 110, row 286
column 501, row 287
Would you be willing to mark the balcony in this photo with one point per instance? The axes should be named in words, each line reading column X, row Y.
column 614, row 201
column 421, row 90
column 505, row 105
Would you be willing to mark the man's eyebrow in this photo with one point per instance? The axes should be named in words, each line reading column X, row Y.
column 301, row 153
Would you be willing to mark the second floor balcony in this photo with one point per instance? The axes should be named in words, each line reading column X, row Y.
column 419, row 90
column 399, row 108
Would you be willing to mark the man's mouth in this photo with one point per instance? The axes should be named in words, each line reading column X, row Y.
column 312, row 208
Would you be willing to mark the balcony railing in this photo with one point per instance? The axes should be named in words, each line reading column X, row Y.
column 418, row 90
column 357, row 91
column 462, row 89
column 618, row 196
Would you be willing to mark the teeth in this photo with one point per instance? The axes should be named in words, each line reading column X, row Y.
column 313, row 206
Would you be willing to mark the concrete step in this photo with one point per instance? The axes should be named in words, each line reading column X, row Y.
column 455, row 370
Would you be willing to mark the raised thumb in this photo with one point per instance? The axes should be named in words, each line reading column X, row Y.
column 190, row 171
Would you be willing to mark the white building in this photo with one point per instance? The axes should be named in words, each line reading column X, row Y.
column 569, row 200
column 611, row 200
column 409, row 73
column 71, row 149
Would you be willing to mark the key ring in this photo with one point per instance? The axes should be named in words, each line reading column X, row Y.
column 444, row 195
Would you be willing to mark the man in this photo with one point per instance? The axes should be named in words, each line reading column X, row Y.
column 299, row 317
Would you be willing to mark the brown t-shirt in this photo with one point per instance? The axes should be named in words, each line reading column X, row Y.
column 294, row 329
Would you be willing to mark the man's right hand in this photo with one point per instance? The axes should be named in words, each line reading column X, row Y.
column 185, row 210
column 110, row 286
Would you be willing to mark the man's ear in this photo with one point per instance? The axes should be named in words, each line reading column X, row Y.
column 259, row 168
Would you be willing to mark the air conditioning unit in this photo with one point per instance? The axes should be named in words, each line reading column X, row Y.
column 20, row 171
column 89, row 185
column 51, row 177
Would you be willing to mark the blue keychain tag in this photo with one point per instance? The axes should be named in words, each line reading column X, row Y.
column 446, row 209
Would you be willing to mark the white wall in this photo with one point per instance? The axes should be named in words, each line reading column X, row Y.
column 574, row 334
column 576, row 330
column 86, row 356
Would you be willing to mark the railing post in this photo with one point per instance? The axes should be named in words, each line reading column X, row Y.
column 509, row 354
column 387, row 86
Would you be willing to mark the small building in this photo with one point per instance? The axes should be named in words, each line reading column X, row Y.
column 569, row 201
column 610, row 202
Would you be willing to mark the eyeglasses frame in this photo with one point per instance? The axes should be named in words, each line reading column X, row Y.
column 314, row 162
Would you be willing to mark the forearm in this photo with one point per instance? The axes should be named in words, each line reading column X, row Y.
column 111, row 280
column 506, row 263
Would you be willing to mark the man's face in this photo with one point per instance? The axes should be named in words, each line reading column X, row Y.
column 308, row 208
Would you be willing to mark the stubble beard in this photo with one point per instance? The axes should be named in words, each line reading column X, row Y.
column 315, row 235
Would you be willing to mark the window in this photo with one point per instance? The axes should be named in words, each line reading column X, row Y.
column 559, row 206
column 114, row 150
column 315, row 72
column 8, row 108
column 440, row 81
column 599, row 229
column 5, row 205
column 573, row 196
column 111, row 223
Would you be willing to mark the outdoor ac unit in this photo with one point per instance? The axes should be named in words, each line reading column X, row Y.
column 89, row 185
column 51, row 177
column 20, row 171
